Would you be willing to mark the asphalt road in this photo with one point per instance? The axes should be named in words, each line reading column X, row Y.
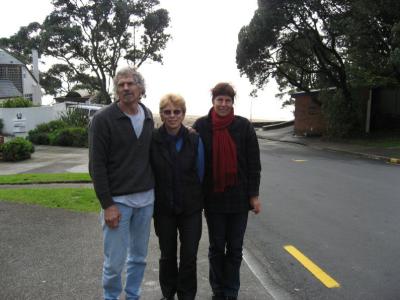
column 340, row 211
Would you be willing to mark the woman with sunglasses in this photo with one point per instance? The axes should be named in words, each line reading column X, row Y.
column 231, row 183
column 177, row 158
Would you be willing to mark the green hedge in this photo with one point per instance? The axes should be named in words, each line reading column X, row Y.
column 71, row 136
column 17, row 149
column 59, row 133
column 41, row 135
column 16, row 102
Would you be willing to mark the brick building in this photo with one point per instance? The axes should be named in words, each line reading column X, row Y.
column 308, row 116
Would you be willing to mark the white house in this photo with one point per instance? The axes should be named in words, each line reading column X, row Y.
column 16, row 79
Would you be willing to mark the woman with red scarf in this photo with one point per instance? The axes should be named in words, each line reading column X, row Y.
column 231, row 184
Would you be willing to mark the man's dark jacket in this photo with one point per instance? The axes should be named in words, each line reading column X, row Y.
column 119, row 162
column 234, row 199
column 190, row 188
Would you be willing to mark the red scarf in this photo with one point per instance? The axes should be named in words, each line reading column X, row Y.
column 224, row 152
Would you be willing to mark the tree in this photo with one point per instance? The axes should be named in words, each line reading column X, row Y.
column 373, row 42
column 314, row 44
column 90, row 38
column 296, row 42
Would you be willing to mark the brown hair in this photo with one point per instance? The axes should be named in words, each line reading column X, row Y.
column 223, row 88
column 173, row 99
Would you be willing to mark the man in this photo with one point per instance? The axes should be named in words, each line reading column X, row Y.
column 119, row 144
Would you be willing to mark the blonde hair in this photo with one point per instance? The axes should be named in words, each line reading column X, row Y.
column 174, row 99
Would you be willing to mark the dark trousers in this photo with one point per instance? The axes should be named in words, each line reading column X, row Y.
column 226, row 233
column 182, row 280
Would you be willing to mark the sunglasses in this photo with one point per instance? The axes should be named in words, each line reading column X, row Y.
column 168, row 112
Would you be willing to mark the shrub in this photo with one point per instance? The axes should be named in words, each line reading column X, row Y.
column 16, row 102
column 343, row 118
column 51, row 126
column 1, row 126
column 75, row 117
column 59, row 133
column 38, row 137
column 17, row 149
column 41, row 134
column 74, row 136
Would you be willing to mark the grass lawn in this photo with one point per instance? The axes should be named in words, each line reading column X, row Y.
column 76, row 199
column 383, row 142
column 389, row 139
column 44, row 178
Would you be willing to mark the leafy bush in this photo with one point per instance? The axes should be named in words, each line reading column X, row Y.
column 1, row 126
column 16, row 102
column 71, row 136
column 343, row 118
column 51, row 126
column 60, row 133
column 38, row 138
column 17, row 149
column 41, row 135
column 75, row 117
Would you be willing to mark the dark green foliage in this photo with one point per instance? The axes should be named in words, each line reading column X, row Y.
column 71, row 137
column 1, row 126
column 310, row 44
column 75, row 117
column 61, row 133
column 295, row 42
column 41, row 134
column 51, row 126
column 343, row 118
column 90, row 38
column 17, row 149
column 38, row 138
column 16, row 102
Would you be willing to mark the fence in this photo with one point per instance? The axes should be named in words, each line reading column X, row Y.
column 18, row 121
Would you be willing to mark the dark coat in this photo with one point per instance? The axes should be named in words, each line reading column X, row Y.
column 234, row 199
column 118, row 160
column 190, row 188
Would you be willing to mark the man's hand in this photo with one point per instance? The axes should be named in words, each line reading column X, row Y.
column 112, row 216
column 255, row 203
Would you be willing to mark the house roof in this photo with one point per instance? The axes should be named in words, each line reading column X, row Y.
column 8, row 89
column 7, row 59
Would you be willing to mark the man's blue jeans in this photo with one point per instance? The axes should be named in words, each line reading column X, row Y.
column 126, row 244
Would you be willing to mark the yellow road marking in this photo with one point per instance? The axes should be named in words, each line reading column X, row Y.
column 328, row 281
column 394, row 160
column 299, row 160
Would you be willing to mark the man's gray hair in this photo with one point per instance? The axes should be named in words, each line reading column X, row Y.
column 130, row 72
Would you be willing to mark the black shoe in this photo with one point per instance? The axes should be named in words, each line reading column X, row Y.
column 168, row 298
column 218, row 297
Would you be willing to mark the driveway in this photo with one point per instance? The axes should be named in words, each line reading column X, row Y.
column 50, row 159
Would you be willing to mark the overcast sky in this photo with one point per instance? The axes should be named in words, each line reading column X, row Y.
column 201, row 53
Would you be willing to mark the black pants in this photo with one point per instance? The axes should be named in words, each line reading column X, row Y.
column 226, row 233
column 182, row 280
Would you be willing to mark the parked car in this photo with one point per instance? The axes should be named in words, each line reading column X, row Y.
column 89, row 109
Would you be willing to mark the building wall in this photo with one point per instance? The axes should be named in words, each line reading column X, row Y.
column 18, row 121
column 309, row 119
